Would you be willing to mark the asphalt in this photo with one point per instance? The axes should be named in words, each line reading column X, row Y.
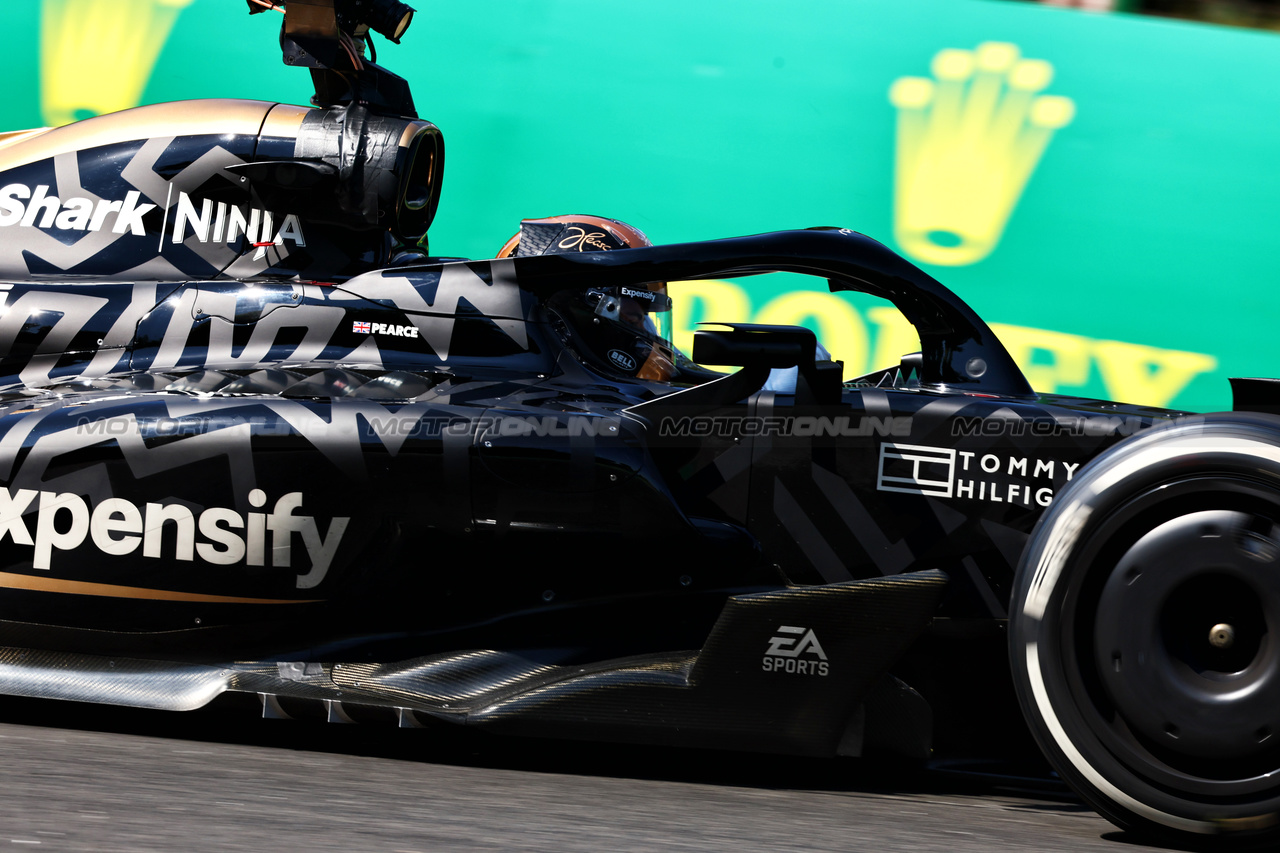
column 87, row 778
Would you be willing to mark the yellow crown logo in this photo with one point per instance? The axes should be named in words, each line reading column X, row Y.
column 968, row 140
column 96, row 55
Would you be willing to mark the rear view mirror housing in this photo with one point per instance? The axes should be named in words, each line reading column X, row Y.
column 760, row 347
column 755, row 345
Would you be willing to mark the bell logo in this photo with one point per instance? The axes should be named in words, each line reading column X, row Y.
column 622, row 361
column 796, row 650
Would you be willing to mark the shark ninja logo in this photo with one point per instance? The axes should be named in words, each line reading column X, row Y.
column 216, row 535
column 204, row 221
column 19, row 205
column 223, row 223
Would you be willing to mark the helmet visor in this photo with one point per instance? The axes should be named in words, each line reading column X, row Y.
column 627, row 329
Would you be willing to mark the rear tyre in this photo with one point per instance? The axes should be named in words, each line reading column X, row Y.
column 1145, row 631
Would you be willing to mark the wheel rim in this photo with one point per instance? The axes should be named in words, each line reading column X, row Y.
column 1172, row 648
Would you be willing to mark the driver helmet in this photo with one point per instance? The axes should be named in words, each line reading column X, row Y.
column 624, row 329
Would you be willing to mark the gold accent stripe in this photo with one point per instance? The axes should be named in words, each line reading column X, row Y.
column 181, row 118
column 15, row 581
column 18, row 135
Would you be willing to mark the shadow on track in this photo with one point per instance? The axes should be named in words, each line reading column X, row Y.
column 235, row 719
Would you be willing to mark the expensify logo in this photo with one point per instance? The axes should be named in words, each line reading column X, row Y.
column 119, row 527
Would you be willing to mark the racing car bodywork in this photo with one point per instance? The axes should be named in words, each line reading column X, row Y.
column 250, row 443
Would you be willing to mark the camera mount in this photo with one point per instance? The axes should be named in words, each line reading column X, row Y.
column 330, row 36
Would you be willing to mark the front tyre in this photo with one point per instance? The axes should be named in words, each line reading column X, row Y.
column 1145, row 631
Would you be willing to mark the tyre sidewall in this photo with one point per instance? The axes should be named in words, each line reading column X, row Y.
column 1231, row 445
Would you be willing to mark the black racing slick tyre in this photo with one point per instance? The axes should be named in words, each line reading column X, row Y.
column 1145, row 631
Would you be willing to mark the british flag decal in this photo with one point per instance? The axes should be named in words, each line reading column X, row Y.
column 360, row 327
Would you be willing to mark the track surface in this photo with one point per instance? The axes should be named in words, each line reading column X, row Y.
column 82, row 778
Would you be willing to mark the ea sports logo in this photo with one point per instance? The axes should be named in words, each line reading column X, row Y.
column 796, row 650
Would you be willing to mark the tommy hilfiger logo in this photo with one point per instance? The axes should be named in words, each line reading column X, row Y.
column 797, row 650
column 947, row 472
column 917, row 469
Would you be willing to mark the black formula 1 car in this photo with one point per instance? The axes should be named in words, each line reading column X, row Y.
column 252, row 440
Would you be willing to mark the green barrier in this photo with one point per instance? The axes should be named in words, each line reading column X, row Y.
column 1101, row 188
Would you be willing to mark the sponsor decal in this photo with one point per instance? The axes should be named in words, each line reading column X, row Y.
column 622, row 360
column 224, row 223
column 21, row 206
column 368, row 328
column 210, row 223
column 945, row 472
column 917, row 469
column 645, row 295
column 218, row 536
column 795, row 649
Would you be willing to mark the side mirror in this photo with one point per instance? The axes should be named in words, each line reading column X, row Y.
column 760, row 347
column 755, row 345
